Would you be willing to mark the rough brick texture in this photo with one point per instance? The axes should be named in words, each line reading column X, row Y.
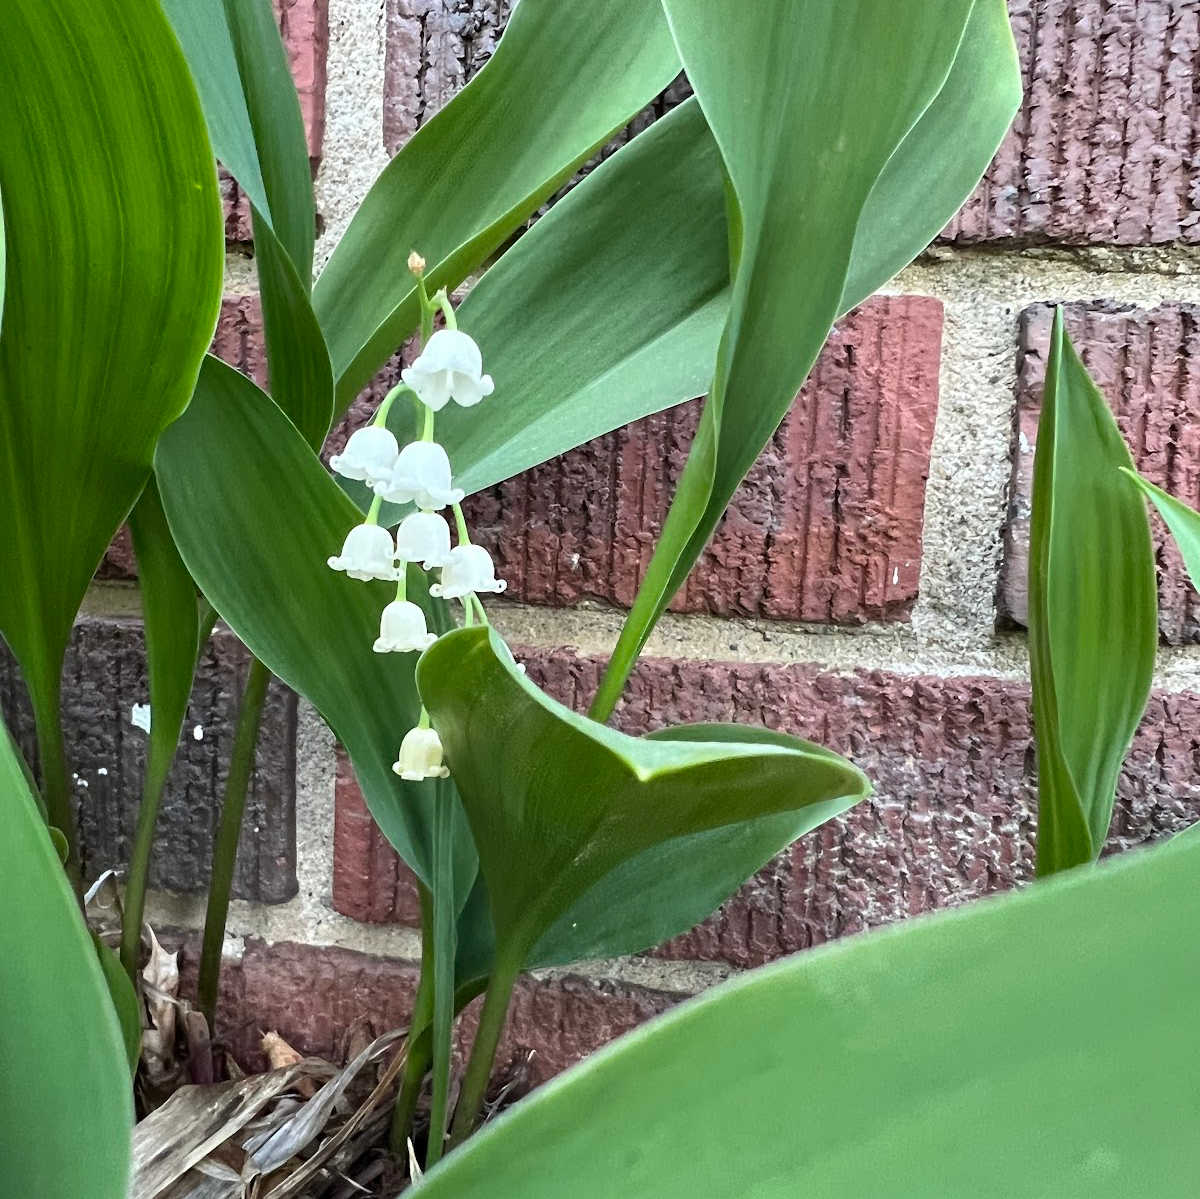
column 305, row 28
column 1148, row 366
column 1103, row 150
column 953, row 816
column 826, row 527
column 318, row 997
column 105, row 676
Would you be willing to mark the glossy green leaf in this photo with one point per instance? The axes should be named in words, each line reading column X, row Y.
column 807, row 125
column 223, row 468
column 241, row 67
column 569, row 800
column 124, row 1000
column 609, row 351
column 1182, row 521
column 562, row 79
column 949, row 1056
column 114, row 260
column 65, row 1102
column 1093, row 618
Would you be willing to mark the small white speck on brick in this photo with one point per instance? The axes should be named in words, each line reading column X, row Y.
column 198, row 733
column 102, row 770
column 80, row 781
column 139, row 717
column 1024, row 442
column 895, row 575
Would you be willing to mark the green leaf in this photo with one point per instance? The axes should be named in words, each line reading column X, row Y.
column 65, row 1101
column 951, row 1055
column 238, row 60
column 241, row 67
column 124, row 1000
column 562, row 79
column 1182, row 521
column 114, row 247
column 223, row 468
column 1093, row 619
column 808, row 125
column 569, row 800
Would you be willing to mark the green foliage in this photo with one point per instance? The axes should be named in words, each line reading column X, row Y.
column 562, row 79
column 1182, row 521
column 114, row 254
column 1092, row 610
column 65, row 1101
column 1030, row 1044
column 570, row 800
column 807, row 125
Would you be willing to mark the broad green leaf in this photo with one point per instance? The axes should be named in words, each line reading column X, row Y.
column 807, row 125
column 241, row 67
column 562, row 79
column 65, row 1101
column 114, row 246
column 1182, row 521
column 951, row 1056
column 556, row 801
column 224, row 468
column 1093, row 619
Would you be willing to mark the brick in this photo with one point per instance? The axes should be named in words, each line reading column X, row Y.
column 1147, row 363
column 305, row 28
column 1102, row 151
column 953, row 817
column 370, row 882
column 105, row 676
column 826, row 527
column 313, row 996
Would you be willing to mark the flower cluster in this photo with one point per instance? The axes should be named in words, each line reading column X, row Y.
column 449, row 368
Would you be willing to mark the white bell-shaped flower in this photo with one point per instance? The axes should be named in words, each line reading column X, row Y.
column 370, row 455
column 368, row 553
column 423, row 537
column 449, row 368
column 470, row 568
column 420, row 756
column 421, row 476
column 402, row 629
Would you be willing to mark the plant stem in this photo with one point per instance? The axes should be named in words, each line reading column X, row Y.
column 445, row 945
column 52, row 757
column 229, row 830
column 483, row 1052
column 419, row 1048
column 139, row 863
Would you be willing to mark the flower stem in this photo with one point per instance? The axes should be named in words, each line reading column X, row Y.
column 158, row 766
column 460, row 521
column 388, row 400
column 487, row 1039
column 442, row 300
column 373, row 510
column 445, row 944
column 427, row 424
column 402, row 583
column 237, row 783
column 423, row 721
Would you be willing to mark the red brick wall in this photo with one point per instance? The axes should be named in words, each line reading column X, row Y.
column 866, row 589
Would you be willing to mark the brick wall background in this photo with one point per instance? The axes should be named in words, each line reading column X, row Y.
column 867, row 588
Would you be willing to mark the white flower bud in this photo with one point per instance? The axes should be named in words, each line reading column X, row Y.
column 370, row 454
column 420, row 756
column 421, row 476
column 402, row 629
column 449, row 368
column 470, row 568
column 423, row 537
column 368, row 553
